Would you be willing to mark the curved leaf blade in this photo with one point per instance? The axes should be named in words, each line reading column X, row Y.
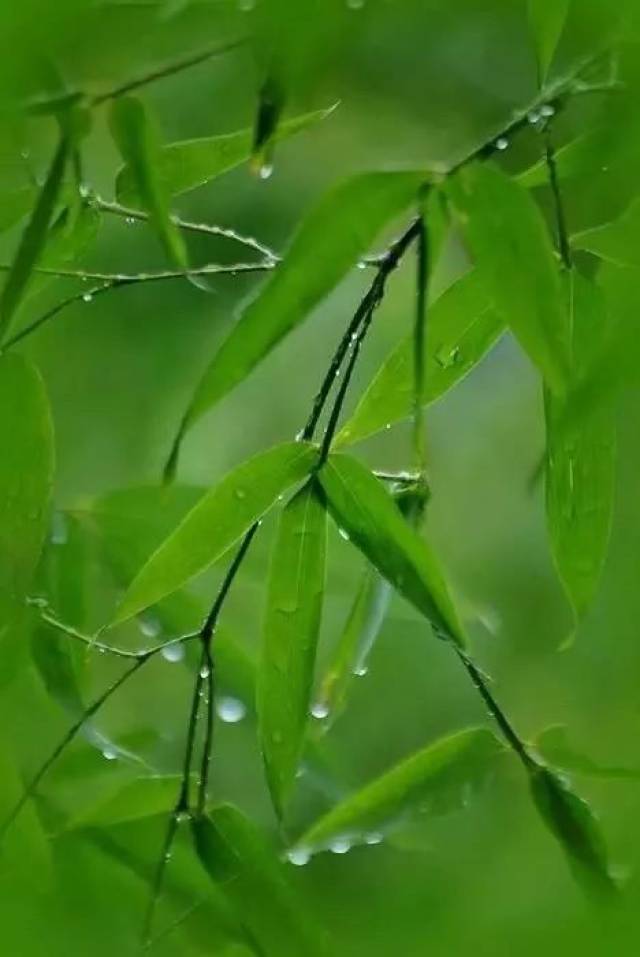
column 368, row 514
column 554, row 746
column 292, row 624
column 547, row 22
column 615, row 242
column 219, row 519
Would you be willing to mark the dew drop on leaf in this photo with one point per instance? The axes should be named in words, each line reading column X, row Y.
column 174, row 651
column 230, row 710
column 299, row 856
column 341, row 845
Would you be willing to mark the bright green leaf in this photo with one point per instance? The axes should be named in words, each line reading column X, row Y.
column 140, row 798
column 617, row 242
column 432, row 781
column 292, row 623
column 366, row 512
column 547, row 18
column 512, row 250
column 219, row 519
column 461, row 327
column 553, row 745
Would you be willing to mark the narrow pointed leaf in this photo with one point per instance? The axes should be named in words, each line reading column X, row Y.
column 333, row 237
column 512, row 249
column 574, row 825
column 554, row 746
column 292, row 622
column 140, row 798
column 431, row 781
column 617, row 242
column 547, row 21
column 219, row 519
column 26, row 477
column 368, row 514
column 188, row 164
column 138, row 143
column 34, row 238
column 239, row 860
column 462, row 326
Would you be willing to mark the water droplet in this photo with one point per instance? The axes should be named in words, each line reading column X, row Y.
column 265, row 171
column 109, row 753
column 167, row 856
column 502, row 143
column 174, row 651
column 361, row 266
column 240, row 493
column 299, row 856
column 547, row 110
column 205, row 672
column 149, row 625
column 59, row 530
column 341, row 845
column 320, row 710
column 130, row 220
column 388, row 427
column 87, row 297
column 374, row 838
column 300, row 435
column 343, row 534
column 533, row 117
column 230, row 710
column 360, row 671
column 355, row 4
column 182, row 817
column 102, row 651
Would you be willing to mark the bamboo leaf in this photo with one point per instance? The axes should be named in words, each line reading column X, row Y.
column 462, row 327
column 617, row 242
column 554, row 746
column 34, row 238
column 26, row 477
column 237, row 858
column 547, row 22
column 292, row 622
column 574, row 825
column 432, row 781
column 188, row 164
column 219, row 519
column 513, row 252
column 138, row 142
column 131, row 801
column 369, row 516
column 332, row 238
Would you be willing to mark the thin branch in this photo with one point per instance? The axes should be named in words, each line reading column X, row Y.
column 419, row 345
column 564, row 246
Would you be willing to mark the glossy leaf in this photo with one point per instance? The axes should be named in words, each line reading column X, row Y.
column 580, row 460
column 292, row 623
column 139, row 146
column 218, row 520
column 330, row 241
column 512, row 249
column 365, row 511
column 617, row 242
column 432, row 781
column 554, row 746
column 33, row 239
column 547, row 20
column 462, row 326
column 239, row 860
column 188, row 164
column 26, row 476
column 574, row 825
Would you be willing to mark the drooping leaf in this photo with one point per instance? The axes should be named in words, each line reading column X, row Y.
column 369, row 516
column 462, row 328
column 239, row 860
column 617, row 242
column 512, row 250
column 332, row 238
column 292, row 622
column 574, row 825
column 580, row 460
column 218, row 520
column 547, row 20
column 138, row 142
column 554, row 746
column 34, row 237
column 188, row 164
column 432, row 781
column 26, row 476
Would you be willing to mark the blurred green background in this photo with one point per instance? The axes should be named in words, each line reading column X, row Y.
column 419, row 81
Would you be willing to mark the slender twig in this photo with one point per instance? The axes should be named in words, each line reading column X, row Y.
column 564, row 246
column 419, row 345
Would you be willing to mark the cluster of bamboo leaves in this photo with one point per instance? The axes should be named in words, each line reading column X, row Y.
column 526, row 273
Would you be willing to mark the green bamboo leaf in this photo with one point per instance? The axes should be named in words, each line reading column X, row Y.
column 140, row 798
column 513, row 252
column 218, row 520
column 271, row 103
column 15, row 204
column 554, row 746
column 580, row 460
column 238, row 859
column 292, row 623
column 547, row 22
column 34, row 237
column 365, row 511
column 574, row 825
column 332, row 238
column 26, row 477
column 432, row 781
column 138, row 142
column 188, row 164
column 617, row 242
column 461, row 327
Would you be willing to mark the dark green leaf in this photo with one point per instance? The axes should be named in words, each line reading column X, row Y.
column 430, row 782
column 271, row 103
column 14, row 205
column 236, row 856
column 513, row 252
column 462, row 326
column 574, row 825
column 292, row 623
column 34, row 238
column 547, row 21
column 553, row 745
column 138, row 142
column 217, row 521
column 26, row 476
column 617, row 242
column 366, row 512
